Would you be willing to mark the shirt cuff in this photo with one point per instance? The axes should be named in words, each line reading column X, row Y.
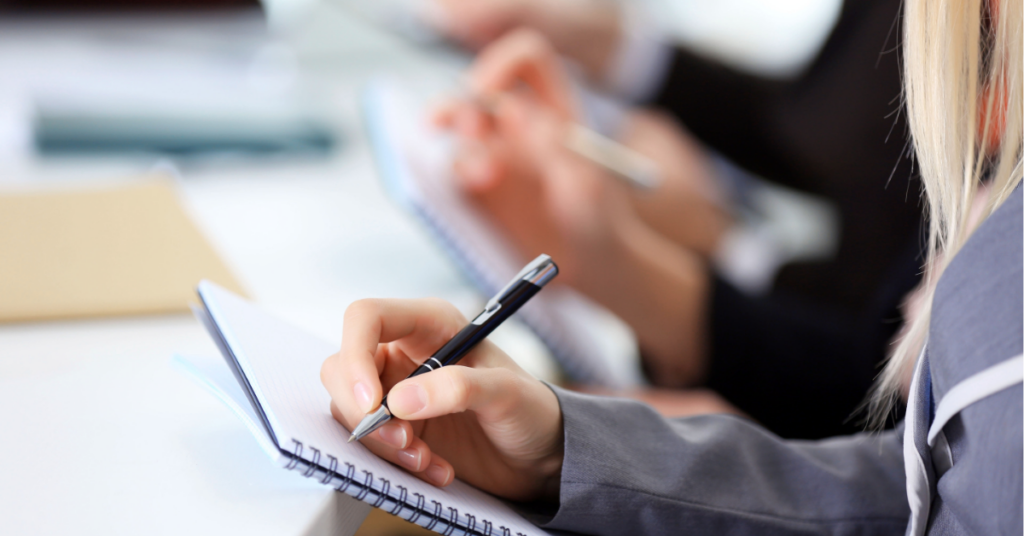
column 642, row 58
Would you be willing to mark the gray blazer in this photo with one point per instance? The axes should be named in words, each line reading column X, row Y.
column 954, row 466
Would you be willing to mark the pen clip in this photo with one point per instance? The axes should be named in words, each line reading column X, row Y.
column 541, row 266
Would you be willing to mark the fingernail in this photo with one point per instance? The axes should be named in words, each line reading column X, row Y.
column 407, row 400
column 410, row 458
column 393, row 434
column 362, row 393
column 437, row 474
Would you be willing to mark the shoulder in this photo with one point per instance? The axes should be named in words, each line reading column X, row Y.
column 978, row 310
column 978, row 321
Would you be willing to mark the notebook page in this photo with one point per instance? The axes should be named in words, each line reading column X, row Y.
column 282, row 363
column 592, row 345
column 214, row 375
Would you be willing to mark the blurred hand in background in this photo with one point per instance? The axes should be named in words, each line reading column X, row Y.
column 512, row 162
column 549, row 200
column 687, row 208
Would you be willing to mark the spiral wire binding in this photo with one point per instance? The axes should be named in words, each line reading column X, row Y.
column 454, row 521
column 418, row 509
column 436, row 517
column 348, row 478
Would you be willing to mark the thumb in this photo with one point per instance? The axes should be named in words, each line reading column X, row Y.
column 491, row 393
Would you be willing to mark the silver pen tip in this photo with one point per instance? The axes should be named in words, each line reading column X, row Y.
column 371, row 422
column 351, row 438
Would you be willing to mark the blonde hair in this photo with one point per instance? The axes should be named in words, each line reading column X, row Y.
column 962, row 90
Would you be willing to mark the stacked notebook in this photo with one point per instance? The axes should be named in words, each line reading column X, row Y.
column 118, row 249
column 270, row 377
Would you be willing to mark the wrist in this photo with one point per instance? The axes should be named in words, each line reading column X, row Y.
column 550, row 473
column 689, row 207
column 548, row 468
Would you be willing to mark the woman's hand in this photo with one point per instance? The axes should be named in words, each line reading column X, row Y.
column 484, row 420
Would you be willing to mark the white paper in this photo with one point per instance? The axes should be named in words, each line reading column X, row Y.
column 215, row 376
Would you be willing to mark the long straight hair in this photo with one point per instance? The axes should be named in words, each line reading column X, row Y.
column 962, row 66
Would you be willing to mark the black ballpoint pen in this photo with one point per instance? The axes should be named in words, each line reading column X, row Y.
column 504, row 304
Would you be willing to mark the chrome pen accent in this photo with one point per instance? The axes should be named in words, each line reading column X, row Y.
column 542, row 264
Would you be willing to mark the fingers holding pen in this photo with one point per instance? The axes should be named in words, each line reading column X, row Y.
column 455, row 389
column 416, row 456
column 397, row 443
column 478, row 163
column 352, row 376
column 466, row 116
column 517, row 416
column 508, row 150
column 377, row 339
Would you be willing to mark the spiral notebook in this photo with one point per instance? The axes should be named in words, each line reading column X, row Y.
column 284, row 405
column 592, row 345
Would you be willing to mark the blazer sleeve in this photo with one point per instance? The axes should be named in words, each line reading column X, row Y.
column 627, row 470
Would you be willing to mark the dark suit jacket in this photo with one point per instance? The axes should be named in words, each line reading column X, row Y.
column 836, row 130
column 800, row 360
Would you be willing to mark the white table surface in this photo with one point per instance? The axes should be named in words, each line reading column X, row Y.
column 102, row 435
column 98, row 434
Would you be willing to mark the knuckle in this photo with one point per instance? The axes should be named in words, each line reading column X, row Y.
column 364, row 308
column 438, row 304
column 455, row 317
column 446, row 312
column 530, row 39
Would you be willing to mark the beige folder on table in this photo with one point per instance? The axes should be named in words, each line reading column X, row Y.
column 114, row 250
